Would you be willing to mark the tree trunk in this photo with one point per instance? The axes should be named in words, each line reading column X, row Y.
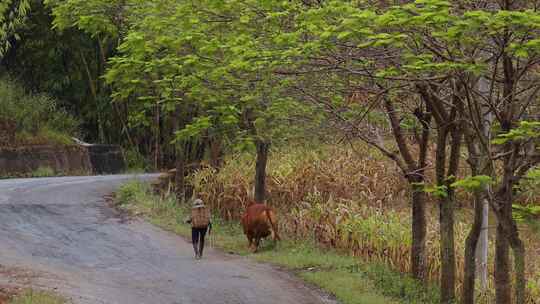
column 503, row 288
column 519, row 266
column 415, row 176
column 511, row 234
column 94, row 92
column 180, row 159
column 482, row 248
column 419, row 231
column 260, row 170
column 157, row 138
column 448, row 259
column 469, row 268
column 216, row 152
column 476, row 244
column 196, row 154
column 180, row 173
column 446, row 207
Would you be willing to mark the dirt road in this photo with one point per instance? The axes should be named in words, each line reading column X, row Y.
column 63, row 230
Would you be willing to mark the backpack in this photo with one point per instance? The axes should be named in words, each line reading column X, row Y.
column 200, row 217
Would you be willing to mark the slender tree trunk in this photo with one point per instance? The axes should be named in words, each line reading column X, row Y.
column 419, row 224
column 503, row 281
column 503, row 288
column 419, row 232
column 446, row 283
column 157, row 152
column 519, row 266
column 482, row 248
column 180, row 159
column 196, row 154
column 471, row 243
column 446, row 207
column 260, row 170
column 485, row 121
column 415, row 176
column 93, row 91
column 511, row 234
column 448, row 258
column 476, row 244
column 216, row 152
column 180, row 173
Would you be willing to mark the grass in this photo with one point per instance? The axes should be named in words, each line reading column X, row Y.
column 37, row 297
column 32, row 119
column 349, row 279
column 43, row 172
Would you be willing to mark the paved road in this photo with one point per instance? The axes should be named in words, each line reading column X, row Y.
column 63, row 230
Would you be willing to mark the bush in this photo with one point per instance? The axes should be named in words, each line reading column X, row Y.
column 37, row 119
column 135, row 161
column 43, row 172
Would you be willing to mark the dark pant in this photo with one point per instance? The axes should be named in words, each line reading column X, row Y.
column 197, row 236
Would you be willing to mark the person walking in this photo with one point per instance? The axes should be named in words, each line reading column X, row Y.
column 200, row 224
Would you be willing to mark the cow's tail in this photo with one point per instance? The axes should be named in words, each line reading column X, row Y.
column 273, row 223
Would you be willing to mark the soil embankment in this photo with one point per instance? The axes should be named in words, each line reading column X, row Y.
column 23, row 161
column 62, row 160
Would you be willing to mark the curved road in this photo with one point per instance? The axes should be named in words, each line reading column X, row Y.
column 63, row 230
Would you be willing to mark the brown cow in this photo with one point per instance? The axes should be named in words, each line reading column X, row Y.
column 258, row 222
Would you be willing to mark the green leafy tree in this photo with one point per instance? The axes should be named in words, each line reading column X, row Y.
column 12, row 16
column 431, row 49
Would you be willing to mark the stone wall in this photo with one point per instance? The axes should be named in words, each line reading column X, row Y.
column 22, row 161
column 106, row 159
column 64, row 160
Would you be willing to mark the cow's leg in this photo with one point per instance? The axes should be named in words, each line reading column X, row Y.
column 256, row 244
column 250, row 242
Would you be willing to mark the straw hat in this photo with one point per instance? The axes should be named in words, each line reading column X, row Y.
column 198, row 203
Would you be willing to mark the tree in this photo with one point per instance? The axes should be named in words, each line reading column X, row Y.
column 215, row 61
column 12, row 16
column 430, row 48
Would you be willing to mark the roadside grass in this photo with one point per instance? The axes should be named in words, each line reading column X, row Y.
column 37, row 297
column 43, row 172
column 349, row 279
column 39, row 172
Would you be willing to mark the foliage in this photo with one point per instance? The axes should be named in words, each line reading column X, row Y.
column 37, row 119
column 12, row 16
column 527, row 130
column 135, row 161
column 472, row 183
column 97, row 18
column 43, row 172
column 435, row 190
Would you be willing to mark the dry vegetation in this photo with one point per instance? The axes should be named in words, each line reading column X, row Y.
column 349, row 199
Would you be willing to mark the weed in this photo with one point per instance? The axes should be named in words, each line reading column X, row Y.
column 135, row 161
column 36, row 118
column 37, row 297
column 43, row 172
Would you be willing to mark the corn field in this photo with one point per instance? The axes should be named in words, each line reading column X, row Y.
column 354, row 201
